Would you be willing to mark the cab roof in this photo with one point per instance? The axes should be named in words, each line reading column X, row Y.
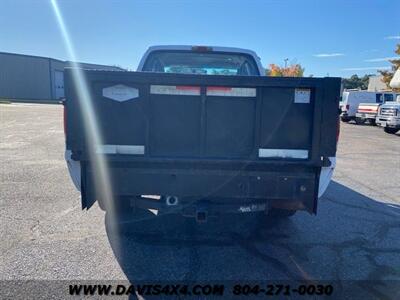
column 190, row 48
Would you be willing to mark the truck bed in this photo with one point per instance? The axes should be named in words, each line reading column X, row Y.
column 207, row 136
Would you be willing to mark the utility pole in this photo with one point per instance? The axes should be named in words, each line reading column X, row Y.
column 286, row 60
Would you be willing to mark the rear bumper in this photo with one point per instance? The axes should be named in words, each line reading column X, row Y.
column 366, row 116
column 285, row 183
column 200, row 208
column 283, row 186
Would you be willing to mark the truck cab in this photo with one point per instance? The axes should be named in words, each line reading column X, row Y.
column 388, row 116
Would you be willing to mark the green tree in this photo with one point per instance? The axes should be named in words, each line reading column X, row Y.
column 388, row 74
column 355, row 82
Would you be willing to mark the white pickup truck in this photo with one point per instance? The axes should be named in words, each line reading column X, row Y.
column 389, row 113
column 205, row 130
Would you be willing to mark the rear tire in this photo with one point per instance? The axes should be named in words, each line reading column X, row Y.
column 390, row 130
column 360, row 121
column 372, row 122
column 344, row 119
column 281, row 213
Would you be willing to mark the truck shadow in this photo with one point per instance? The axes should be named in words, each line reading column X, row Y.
column 353, row 237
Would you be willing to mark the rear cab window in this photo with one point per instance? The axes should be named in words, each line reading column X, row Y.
column 379, row 98
column 388, row 97
column 204, row 63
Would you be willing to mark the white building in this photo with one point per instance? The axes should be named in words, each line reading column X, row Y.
column 375, row 84
column 395, row 82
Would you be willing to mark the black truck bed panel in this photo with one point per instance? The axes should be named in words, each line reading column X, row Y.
column 205, row 126
column 224, row 136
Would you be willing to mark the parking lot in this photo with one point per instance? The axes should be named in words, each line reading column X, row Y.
column 45, row 235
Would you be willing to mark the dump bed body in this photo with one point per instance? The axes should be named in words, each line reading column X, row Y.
column 206, row 136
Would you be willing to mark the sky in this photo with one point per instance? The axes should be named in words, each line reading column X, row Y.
column 328, row 38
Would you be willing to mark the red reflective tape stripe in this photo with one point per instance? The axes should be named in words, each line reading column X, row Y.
column 367, row 109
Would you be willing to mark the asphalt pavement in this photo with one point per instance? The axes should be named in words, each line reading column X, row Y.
column 355, row 237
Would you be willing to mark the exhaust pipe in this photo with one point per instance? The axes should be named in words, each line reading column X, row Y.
column 171, row 200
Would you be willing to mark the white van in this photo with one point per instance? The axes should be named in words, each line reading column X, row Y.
column 351, row 100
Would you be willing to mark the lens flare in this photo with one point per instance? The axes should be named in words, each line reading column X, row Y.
column 92, row 132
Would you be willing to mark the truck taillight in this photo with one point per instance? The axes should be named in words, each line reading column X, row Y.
column 202, row 49
column 65, row 120
column 338, row 130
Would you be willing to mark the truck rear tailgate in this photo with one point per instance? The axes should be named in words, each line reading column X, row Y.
column 206, row 131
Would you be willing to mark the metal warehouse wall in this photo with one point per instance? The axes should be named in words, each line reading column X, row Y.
column 57, row 66
column 95, row 66
column 24, row 77
column 27, row 77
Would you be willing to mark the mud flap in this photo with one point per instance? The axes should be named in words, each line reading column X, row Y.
column 87, row 195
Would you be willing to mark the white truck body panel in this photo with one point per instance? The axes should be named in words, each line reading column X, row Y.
column 351, row 100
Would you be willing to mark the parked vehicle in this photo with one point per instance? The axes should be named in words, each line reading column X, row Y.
column 235, row 142
column 351, row 100
column 389, row 116
column 367, row 112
